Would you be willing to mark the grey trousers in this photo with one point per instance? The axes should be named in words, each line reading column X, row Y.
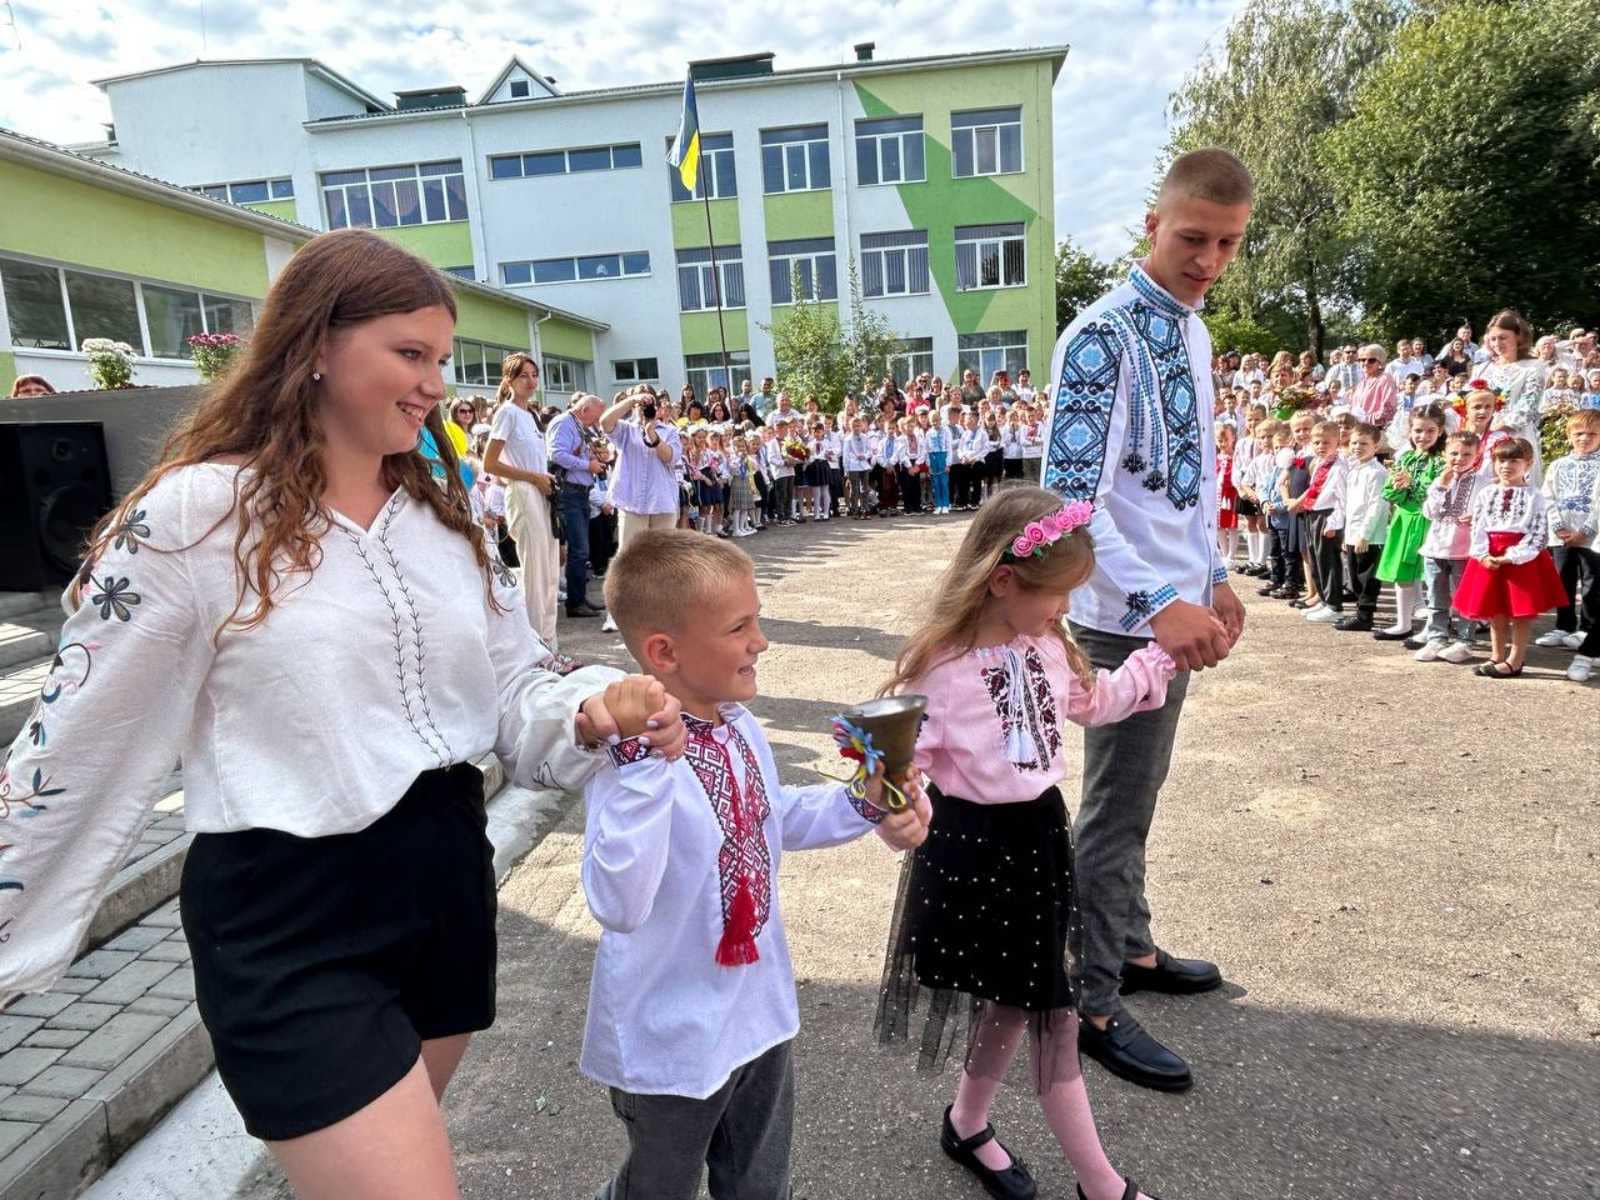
column 1124, row 766
column 742, row 1132
column 1442, row 576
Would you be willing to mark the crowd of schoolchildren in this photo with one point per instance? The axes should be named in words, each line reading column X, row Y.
column 1429, row 479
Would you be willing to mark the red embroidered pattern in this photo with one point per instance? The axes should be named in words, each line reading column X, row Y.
column 742, row 856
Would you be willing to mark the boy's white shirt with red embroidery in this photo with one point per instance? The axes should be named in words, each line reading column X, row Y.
column 660, row 869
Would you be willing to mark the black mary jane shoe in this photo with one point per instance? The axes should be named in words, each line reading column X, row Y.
column 1491, row 670
column 1174, row 976
column 1013, row 1183
column 1131, row 1192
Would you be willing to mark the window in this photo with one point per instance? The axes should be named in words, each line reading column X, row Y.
column 466, row 272
column 519, row 89
column 795, row 160
column 889, row 150
column 986, row 353
column 894, row 264
column 566, row 270
column 812, row 260
column 704, row 372
column 56, row 308
column 565, row 162
column 386, row 197
column 479, row 362
column 564, row 374
column 696, row 290
column 635, row 370
column 249, row 191
column 986, row 142
column 716, row 177
column 910, row 357
column 990, row 256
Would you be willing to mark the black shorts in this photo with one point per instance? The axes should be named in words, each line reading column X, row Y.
column 322, row 964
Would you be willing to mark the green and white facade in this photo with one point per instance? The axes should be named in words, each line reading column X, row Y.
column 933, row 175
column 89, row 250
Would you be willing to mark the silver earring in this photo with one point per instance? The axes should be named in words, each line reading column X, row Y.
column 316, row 376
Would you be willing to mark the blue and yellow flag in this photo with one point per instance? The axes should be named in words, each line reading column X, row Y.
column 685, row 152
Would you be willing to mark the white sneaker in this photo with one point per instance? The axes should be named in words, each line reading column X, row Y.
column 1310, row 614
column 609, row 625
column 1580, row 670
column 1323, row 615
column 1456, row 652
column 1572, row 640
column 1430, row 650
column 1553, row 637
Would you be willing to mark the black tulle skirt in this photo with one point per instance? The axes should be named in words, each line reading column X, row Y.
column 986, row 912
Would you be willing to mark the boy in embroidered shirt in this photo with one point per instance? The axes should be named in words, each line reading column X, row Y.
column 692, row 1005
column 1448, row 507
column 1319, row 522
column 1572, row 486
column 1364, row 517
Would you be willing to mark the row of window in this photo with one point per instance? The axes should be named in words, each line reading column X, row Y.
column 58, row 308
column 583, row 266
column 249, row 191
column 477, row 362
column 387, row 197
column 565, row 162
column 983, row 353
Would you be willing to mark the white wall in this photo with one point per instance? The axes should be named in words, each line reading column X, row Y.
column 68, row 372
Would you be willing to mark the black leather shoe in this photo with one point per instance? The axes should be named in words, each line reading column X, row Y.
column 584, row 610
column 1269, row 590
column 1013, row 1183
column 1383, row 635
column 1353, row 625
column 1174, row 976
column 1131, row 1192
column 1125, row 1049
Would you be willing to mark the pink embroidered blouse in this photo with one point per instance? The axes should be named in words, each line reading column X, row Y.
column 993, row 733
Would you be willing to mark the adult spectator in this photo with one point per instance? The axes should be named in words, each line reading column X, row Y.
column 1158, row 574
column 971, row 390
column 1375, row 398
column 644, row 483
column 1510, row 368
column 1398, row 367
column 1313, row 369
column 27, row 386
column 1419, row 352
column 1345, row 369
column 1467, row 345
column 460, row 416
column 578, row 461
column 1576, row 350
column 516, row 455
column 1456, row 357
column 768, row 399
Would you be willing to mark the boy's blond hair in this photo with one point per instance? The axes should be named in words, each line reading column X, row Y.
column 662, row 578
column 1585, row 418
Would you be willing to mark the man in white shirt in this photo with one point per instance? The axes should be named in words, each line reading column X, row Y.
column 1130, row 430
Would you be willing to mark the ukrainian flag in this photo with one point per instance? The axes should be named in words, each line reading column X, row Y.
column 685, row 152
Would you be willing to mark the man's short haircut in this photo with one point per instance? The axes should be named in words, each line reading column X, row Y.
column 660, row 580
column 1585, row 418
column 1211, row 174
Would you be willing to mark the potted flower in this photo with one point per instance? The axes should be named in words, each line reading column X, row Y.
column 110, row 363
column 214, row 353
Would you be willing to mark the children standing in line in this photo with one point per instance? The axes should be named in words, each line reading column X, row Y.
column 1409, row 478
column 692, row 1005
column 1365, row 520
column 1000, row 674
column 1032, row 445
column 1319, row 523
column 1448, row 507
column 1511, row 578
column 1572, row 486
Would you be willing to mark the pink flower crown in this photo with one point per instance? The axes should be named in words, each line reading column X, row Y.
column 1038, row 536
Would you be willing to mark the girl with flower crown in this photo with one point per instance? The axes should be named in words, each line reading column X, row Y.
column 986, row 915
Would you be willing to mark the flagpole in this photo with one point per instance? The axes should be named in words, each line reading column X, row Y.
column 716, row 293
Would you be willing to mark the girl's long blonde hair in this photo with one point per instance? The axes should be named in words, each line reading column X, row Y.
column 963, row 590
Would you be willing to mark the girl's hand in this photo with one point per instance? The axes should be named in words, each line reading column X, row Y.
column 1489, row 561
column 1402, row 478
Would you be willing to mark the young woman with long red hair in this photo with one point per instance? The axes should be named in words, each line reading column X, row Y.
column 293, row 606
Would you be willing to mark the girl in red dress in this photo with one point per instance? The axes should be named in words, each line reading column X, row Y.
column 1227, row 494
column 1510, row 577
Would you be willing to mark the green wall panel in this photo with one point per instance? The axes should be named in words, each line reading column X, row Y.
column 564, row 338
column 699, row 332
column 689, row 223
column 284, row 210
column 487, row 320
column 76, row 222
column 447, row 244
column 8, row 370
column 798, row 215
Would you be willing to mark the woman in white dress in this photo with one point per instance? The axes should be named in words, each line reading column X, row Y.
column 1512, row 370
column 518, row 455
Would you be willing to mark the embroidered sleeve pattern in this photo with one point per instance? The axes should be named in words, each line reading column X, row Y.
column 1083, row 403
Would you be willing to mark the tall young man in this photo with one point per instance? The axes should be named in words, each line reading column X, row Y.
column 1130, row 429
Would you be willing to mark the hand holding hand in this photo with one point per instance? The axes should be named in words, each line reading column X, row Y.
column 1192, row 634
column 908, row 828
column 636, row 706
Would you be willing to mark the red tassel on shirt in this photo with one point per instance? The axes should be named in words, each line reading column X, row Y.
column 738, row 945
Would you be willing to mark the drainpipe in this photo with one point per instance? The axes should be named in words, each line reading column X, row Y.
column 480, row 252
column 537, row 350
column 842, row 270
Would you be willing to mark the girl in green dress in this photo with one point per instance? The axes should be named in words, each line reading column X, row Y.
column 1409, row 479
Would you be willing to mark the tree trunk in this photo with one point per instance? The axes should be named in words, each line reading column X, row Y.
column 1314, row 330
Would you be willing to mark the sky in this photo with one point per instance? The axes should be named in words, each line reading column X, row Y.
column 1110, row 100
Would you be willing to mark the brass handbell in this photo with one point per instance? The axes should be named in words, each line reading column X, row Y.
column 893, row 723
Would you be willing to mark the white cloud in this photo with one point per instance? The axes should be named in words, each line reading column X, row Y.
column 1110, row 101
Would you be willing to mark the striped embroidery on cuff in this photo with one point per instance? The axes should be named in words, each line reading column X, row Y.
column 629, row 750
column 1143, row 605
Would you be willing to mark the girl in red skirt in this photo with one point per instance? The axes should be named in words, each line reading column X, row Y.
column 1227, row 495
column 1510, row 578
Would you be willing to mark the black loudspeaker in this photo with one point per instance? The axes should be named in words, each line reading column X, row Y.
column 54, row 485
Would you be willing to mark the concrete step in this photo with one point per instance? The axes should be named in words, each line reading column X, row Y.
column 15, row 604
column 87, row 1068
column 20, row 644
column 19, row 688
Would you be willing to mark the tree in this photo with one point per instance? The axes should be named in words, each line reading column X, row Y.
column 1468, row 173
column 1230, row 331
column 816, row 356
column 1285, row 74
column 870, row 340
column 1081, row 279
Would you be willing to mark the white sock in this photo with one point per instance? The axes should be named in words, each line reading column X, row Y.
column 1258, row 546
column 1230, row 545
column 1405, row 603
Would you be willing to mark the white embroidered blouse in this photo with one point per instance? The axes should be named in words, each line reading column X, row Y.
column 1500, row 509
column 386, row 661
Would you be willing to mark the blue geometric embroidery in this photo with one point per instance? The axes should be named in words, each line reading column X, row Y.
column 1143, row 605
column 1219, row 575
column 1153, row 294
column 1081, row 424
column 1163, row 339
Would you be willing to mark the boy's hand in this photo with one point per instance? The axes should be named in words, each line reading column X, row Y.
column 908, row 828
column 1564, row 536
column 1332, row 533
column 637, row 706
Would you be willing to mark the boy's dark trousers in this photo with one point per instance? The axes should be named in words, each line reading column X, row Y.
column 1285, row 562
column 742, row 1132
column 1573, row 562
column 602, row 541
column 1327, row 565
column 1361, row 570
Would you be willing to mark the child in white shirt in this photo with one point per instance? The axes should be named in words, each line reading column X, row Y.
column 1364, row 517
column 1448, row 507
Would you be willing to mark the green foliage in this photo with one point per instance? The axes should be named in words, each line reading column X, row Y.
column 1081, row 279
column 1230, row 331
column 1469, row 171
column 817, row 357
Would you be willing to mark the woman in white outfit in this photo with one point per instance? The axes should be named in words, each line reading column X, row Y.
column 517, row 455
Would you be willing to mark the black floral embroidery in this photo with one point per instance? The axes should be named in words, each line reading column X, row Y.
column 1138, row 602
column 1133, row 463
column 131, row 532
column 1155, row 481
column 1038, row 718
column 114, row 597
column 501, row 571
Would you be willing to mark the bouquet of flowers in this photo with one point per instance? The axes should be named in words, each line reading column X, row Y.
column 1293, row 399
column 110, row 362
column 214, row 353
column 796, row 451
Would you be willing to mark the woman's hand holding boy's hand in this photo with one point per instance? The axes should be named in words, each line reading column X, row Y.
column 635, row 706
